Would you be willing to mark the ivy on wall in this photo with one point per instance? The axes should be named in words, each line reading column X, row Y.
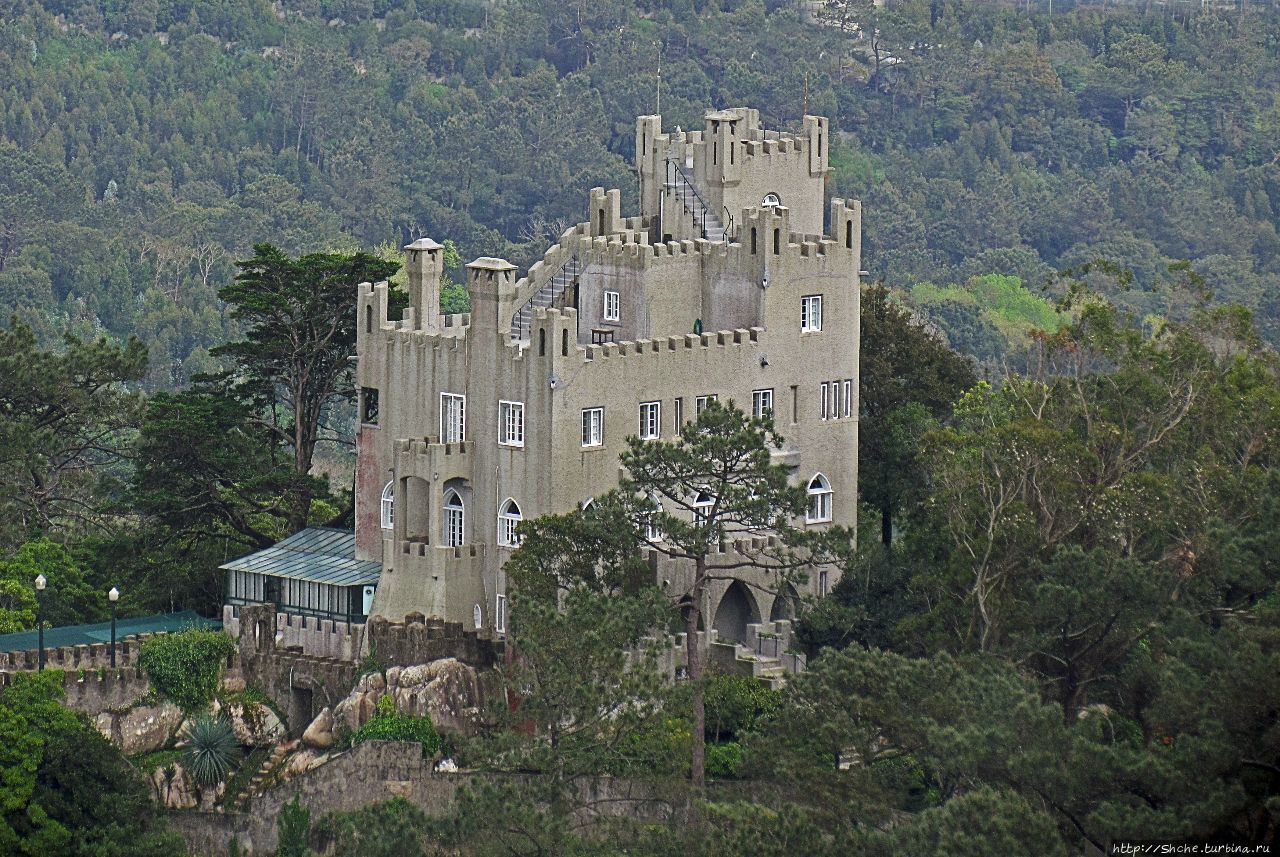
column 186, row 667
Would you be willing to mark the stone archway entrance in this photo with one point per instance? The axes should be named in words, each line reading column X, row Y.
column 737, row 610
column 785, row 605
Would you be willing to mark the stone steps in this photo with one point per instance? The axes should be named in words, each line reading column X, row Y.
column 264, row 773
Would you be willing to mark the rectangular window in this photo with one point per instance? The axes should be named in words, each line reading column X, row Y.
column 369, row 405
column 500, row 614
column 810, row 313
column 822, row 400
column 650, row 420
column 795, row 404
column 700, row 404
column 835, row 400
column 762, row 404
column 848, row 397
column 592, row 426
column 677, row 414
column 822, row 584
column 453, row 418
column 511, row 423
column 612, row 306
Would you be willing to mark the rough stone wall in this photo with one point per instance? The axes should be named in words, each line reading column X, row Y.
column 322, row 638
column 418, row 640
column 83, row 657
column 376, row 771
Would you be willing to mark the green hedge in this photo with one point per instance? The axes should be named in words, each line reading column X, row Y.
column 392, row 726
column 186, row 666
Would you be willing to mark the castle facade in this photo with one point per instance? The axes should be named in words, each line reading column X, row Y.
column 734, row 282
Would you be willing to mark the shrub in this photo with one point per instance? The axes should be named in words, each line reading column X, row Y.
column 212, row 750
column 391, row 726
column 186, row 666
column 724, row 761
column 735, row 703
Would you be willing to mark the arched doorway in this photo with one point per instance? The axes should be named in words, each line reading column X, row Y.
column 785, row 605
column 737, row 610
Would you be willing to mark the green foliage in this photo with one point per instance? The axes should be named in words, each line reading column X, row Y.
column 68, row 597
column 389, row 829
column 294, row 826
column 735, row 703
column 211, row 751
column 388, row 725
column 725, row 760
column 186, row 666
column 65, row 789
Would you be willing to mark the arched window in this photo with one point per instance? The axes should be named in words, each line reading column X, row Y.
column 819, row 500
column 652, row 526
column 477, row 617
column 702, row 507
column 388, row 505
column 508, row 518
column 588, row 503
column 453, row 521
column 771, row 200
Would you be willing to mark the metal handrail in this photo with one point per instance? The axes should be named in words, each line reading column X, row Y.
column 674, row 172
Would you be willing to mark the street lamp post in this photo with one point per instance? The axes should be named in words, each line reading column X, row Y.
column 40, row 584
column 113, row 596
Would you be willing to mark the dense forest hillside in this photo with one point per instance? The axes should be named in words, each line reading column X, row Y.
column 145, row 145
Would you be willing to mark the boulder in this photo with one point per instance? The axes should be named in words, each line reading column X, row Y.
column 255, row 724
column 144, row 728
column 178, row 793
column 320, row 733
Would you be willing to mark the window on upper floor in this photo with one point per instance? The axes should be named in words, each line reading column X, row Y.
column 612, row 306
column 477, row 617
column 702, row 505
column 810, row 313
column 453, row 418
column 369, row 405
column 652, row 526
column 510, row 423
column 835, row 399
column 677, row 414
column 650, row 420
column 592, row 426
column 508, row 519
column 762, row 404
column 388, row 505
column 700, row 404
column 819, row 510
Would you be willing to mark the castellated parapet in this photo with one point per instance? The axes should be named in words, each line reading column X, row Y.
column 522, row 407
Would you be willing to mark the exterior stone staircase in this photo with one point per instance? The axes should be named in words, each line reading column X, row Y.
column 679, row 183
column 265, row 773
column 546, row 296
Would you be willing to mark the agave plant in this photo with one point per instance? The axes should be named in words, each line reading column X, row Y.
column 212, row 750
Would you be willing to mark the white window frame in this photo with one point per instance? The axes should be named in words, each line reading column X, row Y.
column 612, row 306
column 848, row 397
column 508, row 520
column 700, row 403
column 510, row 423
column 811, row 313
column 500, row 614
column 653, row 530
column 477, row 616
column 677, row 413
column 823, row 390
column 818, row 510
column 388, row 507
column 454, row 521
column 453, row 417
column 650, row 420
column 822, row 584
column 761, row 403
column 592, row 427
column 702, row 505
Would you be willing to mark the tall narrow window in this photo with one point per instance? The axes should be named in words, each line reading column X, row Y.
column 612, row 306
column 762, row 404
column 453, row 418
column 511, row 423
column 795, row 404
column 477, row 617
column 848, row 397
column 388, row 505
column 753, row 240
column 500, row 614
column 823, row 389
column 369, row 405
column 777, row 241
column 592, row 426
column 819, row 510
column 453, row 519
column 564, row 343
column 848, row 234
column 368, row 319
column 542, row 342
column 652, row 526
column 822, row 584
column 508, row 519
column 650, row 420
column 810, row 313
column 677, row 414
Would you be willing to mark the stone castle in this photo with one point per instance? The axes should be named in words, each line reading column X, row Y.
column 726, row 285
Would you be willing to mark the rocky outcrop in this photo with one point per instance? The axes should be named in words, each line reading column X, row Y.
column 255, row 724
column 140, row 729
column 174, row 788
column 320, row 733
column 447, row 690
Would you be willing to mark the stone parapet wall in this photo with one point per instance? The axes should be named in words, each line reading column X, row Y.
column 83, row 657
column 321, row 638
column 418, row 640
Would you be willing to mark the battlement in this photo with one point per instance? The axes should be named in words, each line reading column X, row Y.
column 419, row 640
column 90, row 656
column 315, row 637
